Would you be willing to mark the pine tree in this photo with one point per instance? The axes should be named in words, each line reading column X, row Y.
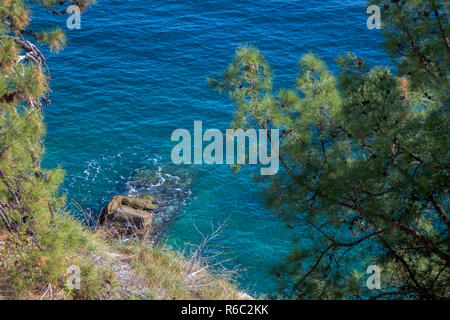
column 365, row 177
column 30, row 206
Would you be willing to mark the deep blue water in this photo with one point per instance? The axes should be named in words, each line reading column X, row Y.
column 136, row 71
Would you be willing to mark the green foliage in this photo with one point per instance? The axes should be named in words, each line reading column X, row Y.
column 365, row 159
column 45, row 239
column 416, row 33
column 65, row 242
column 55, row 39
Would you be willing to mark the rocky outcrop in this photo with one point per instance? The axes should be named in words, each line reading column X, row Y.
column 128, row 215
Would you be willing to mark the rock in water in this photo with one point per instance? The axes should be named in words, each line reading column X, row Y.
column 146, row 203
column 127, row 215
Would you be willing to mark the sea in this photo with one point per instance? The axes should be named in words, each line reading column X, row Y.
column 136, row 71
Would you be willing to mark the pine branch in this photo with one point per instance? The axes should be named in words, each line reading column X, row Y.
column 441, row 27
column 55, row 12
column 419, row 55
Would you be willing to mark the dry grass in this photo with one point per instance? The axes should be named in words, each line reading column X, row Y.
column 112, row 268
column 191, row 273
column 170, row 275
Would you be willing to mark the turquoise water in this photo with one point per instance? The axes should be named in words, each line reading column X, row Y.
column 136, row 71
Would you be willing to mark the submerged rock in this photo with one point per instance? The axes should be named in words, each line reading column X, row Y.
column 171, row 186
column 128, row 215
